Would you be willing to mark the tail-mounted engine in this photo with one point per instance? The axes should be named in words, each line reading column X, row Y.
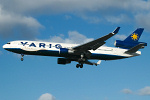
column 127, row 45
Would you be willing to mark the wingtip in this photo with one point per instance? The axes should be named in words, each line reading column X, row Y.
column 116, row 30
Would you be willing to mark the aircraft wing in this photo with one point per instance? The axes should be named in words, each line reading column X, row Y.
column 93, row 45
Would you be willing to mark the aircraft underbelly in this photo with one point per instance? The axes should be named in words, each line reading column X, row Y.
column 56, row 53
column 107, row 56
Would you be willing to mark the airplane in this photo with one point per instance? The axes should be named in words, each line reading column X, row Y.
column 81, row 53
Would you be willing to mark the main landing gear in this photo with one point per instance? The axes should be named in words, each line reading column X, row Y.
column 79, row 65
column 81, row 60
column 22, row 57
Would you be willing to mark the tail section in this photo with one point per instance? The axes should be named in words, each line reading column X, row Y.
column 135, row 48
column 135, row 36
column 132, row 40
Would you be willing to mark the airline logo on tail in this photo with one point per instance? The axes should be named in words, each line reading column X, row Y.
column 134, row 36
column 132, row 40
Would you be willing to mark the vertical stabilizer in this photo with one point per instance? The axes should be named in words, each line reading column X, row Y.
column 131, row 41
column 135, row 36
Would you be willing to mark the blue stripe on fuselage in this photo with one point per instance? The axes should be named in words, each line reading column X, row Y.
column 57, row 54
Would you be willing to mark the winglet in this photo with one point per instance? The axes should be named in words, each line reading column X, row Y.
column 116, row 30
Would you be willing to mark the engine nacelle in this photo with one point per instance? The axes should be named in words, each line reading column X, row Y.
column 127, row 45
column 66, row 51
column 63, row 61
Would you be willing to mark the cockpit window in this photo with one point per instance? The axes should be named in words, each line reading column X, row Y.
column 8, row 43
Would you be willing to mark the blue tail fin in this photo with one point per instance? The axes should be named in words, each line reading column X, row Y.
column 131, row 41
column 135, row 36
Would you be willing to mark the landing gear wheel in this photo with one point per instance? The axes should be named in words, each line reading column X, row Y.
column 81, row 66
column 21, row 59
column 77, row 66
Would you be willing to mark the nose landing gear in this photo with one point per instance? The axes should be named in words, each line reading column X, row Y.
column 22, row 57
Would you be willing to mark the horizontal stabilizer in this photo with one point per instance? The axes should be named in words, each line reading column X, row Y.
column 134, row 49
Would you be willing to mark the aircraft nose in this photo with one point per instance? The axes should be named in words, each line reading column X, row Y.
column 4, row 46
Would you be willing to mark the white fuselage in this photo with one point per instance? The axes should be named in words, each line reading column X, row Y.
column 64, row 50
